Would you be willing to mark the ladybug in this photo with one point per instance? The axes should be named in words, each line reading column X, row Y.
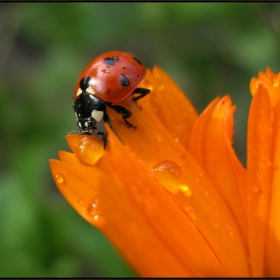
column 105, row 81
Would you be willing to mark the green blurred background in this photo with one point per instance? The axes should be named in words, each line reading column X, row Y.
column 208, row 49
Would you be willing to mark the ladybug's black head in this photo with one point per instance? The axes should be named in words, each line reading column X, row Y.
column 88, row 110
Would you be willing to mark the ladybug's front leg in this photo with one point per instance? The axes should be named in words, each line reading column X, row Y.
column 106, row 119
column 142, row 92
column 123, row 111
column 104, row 137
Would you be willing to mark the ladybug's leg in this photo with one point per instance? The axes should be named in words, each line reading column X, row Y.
column 123, row 111
column 104, row 137
column 106, row 119
column 142, row 92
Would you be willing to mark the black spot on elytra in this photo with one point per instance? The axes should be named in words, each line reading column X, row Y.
column 124, row 81
column 109, row 61
column 137, row 60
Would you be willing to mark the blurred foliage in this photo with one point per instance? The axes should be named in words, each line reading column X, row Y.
column 209, row 49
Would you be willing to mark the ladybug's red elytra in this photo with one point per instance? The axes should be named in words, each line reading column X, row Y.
column 105, row 81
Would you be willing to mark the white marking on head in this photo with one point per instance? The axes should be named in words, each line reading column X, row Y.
column 80, row 125
column 97, row 115
column 90, row 90
column 78, row 92
column 86, row 124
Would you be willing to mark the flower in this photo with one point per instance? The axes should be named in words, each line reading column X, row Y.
column 172, row 195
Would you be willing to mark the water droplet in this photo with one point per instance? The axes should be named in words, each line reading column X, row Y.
column 275, row 83
column 94, row 212
column 92, row 207
column 159, row 137
column 59, row 179
column 192, row 212
column 215, row 221
column 230, row 230
column 274, row 166
column 255, row 189
column 185, row 189
column 89, row 150
column 200, row 173
column 94, row 203
column 169, row 174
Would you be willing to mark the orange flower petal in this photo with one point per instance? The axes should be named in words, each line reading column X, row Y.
column 172, row 195
column 212, row 132
column 151, row 220
column 159, row 111
column 168, row 105
column 259, row 170
column 266, row 119
column 192, row 188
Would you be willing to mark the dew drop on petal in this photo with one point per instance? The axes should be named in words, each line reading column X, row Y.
column 192, row 212
column 275, row 83
column 94, row 203
column 185, row 189
column 267, row 161
column 59, row 179
column 92, row 207
column 94, row 213
column 169, row 174
column 230, row 230
column 89, row 150
column 256, row 189
column 159, row 137
column 215, row 221
column 178, row 127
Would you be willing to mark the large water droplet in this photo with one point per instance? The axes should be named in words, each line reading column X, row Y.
column 59, row 179
column 169, row 174
column 89, row 150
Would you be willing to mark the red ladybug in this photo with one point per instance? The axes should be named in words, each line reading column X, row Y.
column 105, row 81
